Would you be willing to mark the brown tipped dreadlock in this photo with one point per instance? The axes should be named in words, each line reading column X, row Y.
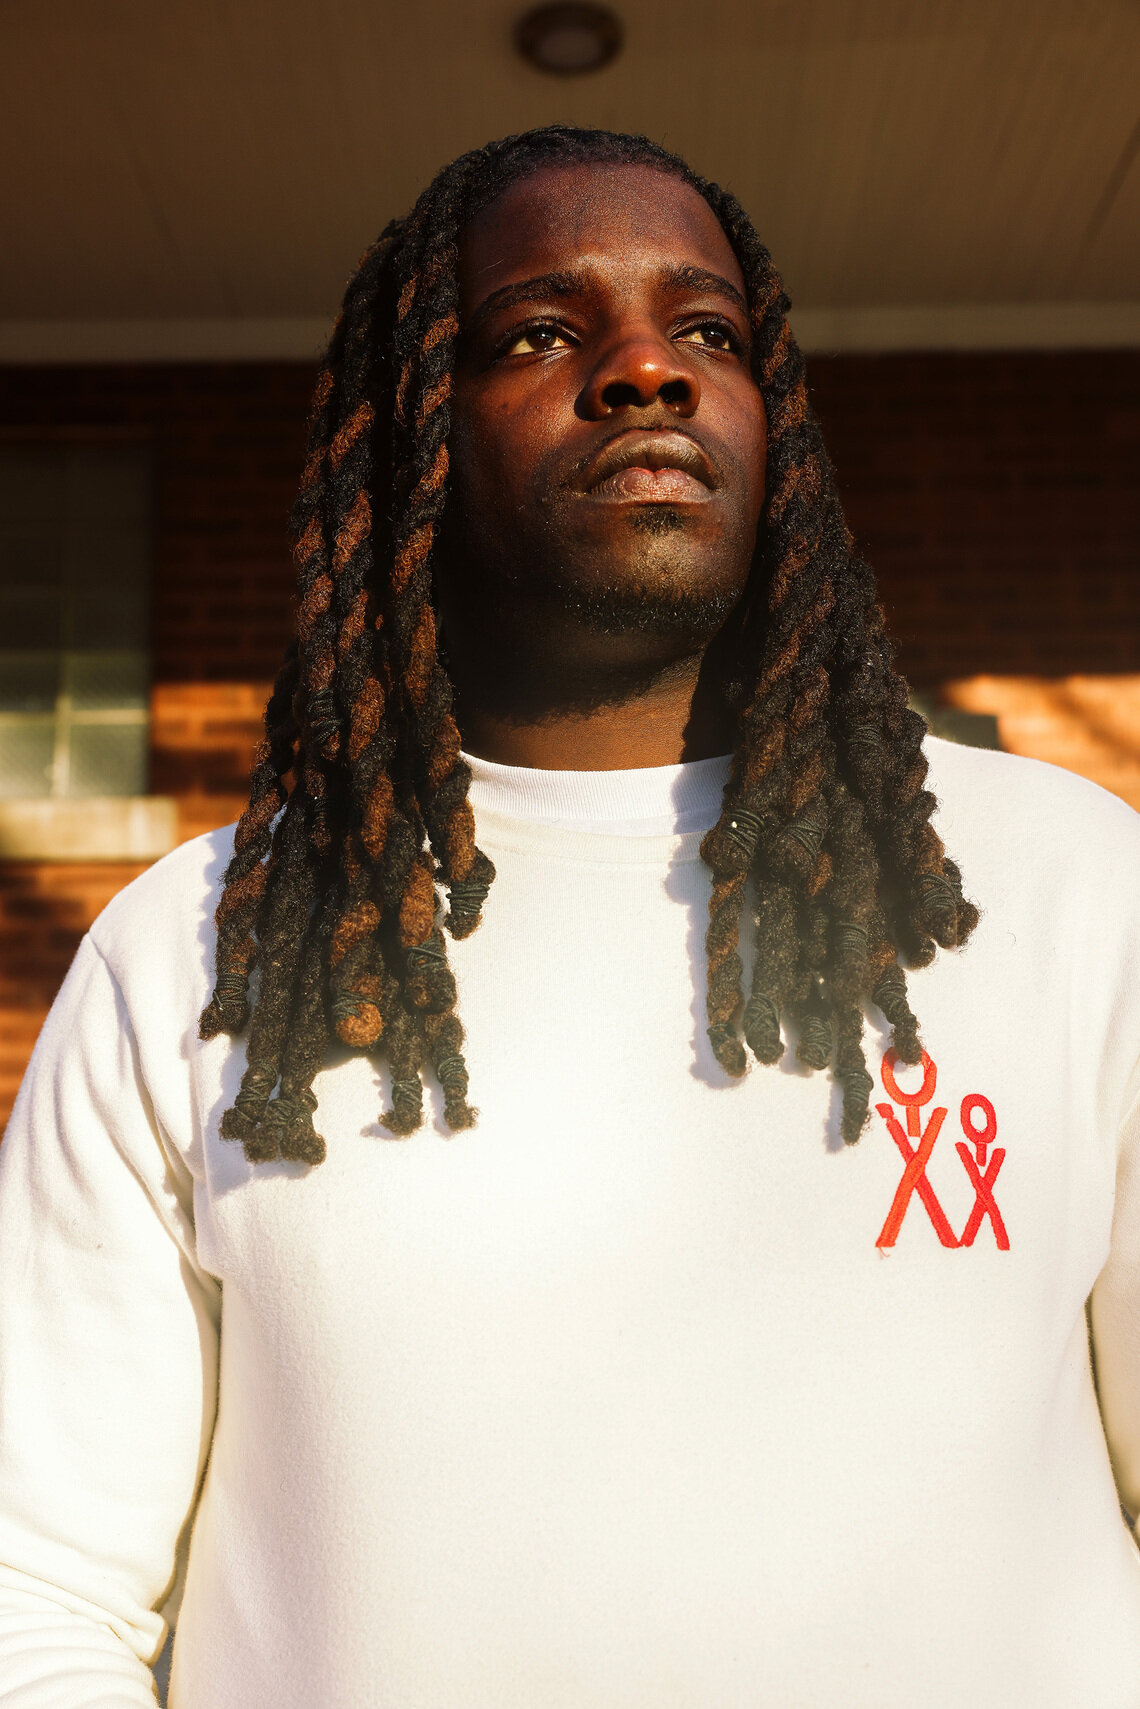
column 331, row 891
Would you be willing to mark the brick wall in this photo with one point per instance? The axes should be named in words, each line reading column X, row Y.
column 996, row 495
column 44, row 911
column 227, row 441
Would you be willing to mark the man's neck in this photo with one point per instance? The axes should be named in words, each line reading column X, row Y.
column 663, row 725
column 536, row 685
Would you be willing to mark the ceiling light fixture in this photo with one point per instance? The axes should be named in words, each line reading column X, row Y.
column 568, row 40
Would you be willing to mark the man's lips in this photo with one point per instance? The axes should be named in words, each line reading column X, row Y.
column 657, row 466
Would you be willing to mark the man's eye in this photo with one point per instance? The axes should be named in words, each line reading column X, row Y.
column 535, row 341
column 712, row 335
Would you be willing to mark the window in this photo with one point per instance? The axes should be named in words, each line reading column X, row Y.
column 74, row 587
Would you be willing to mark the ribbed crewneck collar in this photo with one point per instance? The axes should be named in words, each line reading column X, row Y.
column 648, row 801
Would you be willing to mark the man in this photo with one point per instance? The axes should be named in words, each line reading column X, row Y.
column 647, row 1389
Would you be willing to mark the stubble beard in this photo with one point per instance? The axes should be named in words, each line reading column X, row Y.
column 635, row 603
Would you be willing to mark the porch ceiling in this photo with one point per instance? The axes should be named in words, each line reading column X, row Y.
column 231, row 158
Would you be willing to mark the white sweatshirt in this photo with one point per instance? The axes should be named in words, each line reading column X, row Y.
column 644, row 1394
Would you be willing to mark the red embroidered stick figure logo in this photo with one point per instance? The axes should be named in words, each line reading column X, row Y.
column 983, row 1184
column 916, row 1157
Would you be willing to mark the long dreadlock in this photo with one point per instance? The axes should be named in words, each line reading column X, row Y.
column 359, row 805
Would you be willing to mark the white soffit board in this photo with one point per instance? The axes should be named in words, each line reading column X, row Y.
column 867, row 330
column 188, row 161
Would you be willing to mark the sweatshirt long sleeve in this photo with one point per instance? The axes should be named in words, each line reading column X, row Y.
column 108, row 1352
column 646, row 1390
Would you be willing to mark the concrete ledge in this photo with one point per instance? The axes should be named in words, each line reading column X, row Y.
column 827, row 329
column 299, row 338
column 105, row 827
column 909, row 327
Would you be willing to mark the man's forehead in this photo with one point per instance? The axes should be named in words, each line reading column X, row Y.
column 587, row 218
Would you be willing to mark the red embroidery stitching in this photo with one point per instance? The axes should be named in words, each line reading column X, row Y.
column 914, row 1175
column 915, row 1158
column 983, row 1184
column 914, row 1179
column 912, row 1100
column 976, row 1101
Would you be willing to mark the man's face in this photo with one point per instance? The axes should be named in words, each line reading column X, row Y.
column 608, row 438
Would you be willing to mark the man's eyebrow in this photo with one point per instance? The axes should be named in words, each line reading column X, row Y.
column 701, row 279
column 572, row 283
column 561, row 284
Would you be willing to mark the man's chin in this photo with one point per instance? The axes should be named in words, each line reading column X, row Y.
column 655, row 568
column 649, row 606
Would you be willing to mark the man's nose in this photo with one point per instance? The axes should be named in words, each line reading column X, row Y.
column 638, row 371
